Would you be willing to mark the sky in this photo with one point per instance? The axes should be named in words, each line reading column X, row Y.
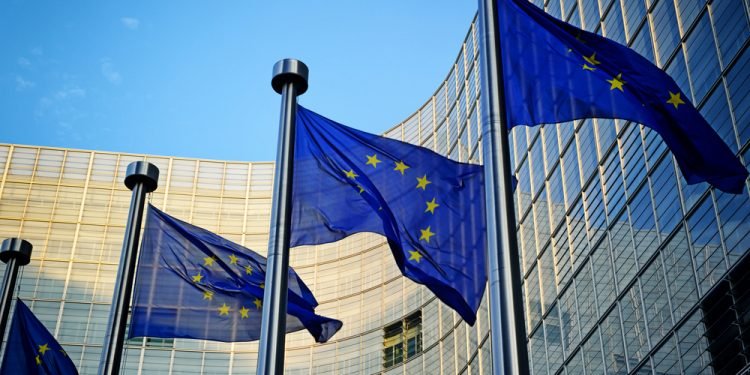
column 193, row 78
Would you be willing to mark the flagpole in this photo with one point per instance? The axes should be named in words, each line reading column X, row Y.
column 14, row 252
column 289, row 80
column 508, row 333
column 141, row 178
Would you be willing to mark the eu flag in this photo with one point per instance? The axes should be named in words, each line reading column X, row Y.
column 31, row 348
column 554, row 72
column 430, row 208
column 192, row 283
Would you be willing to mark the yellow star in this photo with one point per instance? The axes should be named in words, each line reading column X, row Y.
column 361, row 189
column 224, row 309
column 248, row 270
column 401, row 167
column 350, row 174
column 589, row 68
column 373, row 160
column 244, row 312
column 431, row 206
column 616, row 82
column 233, row 259
column 422, row 182
column 197, row 278
column 415, row 256
column 208, row 261
column 258, row 304
column 675, row 99
column 43, row 349
column 426, row 234
column 209, row 295
column 262, row 285
column 592, row 59
column 38, row 360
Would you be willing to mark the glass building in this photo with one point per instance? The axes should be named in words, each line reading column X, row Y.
column 626, row 268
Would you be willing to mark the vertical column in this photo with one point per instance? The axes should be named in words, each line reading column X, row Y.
column 141, row 178
column 14, row 252
column 289, row 80
column 508, row 333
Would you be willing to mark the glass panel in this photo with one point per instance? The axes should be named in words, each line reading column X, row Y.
column 701, row 58
column 656, row 301
column 586, row 299
column 569, row 320
column 553, row 337
column 664, row 22
column 731, row 25
column 707, row 250
column 738, row 82
column 636, row 340
column 614, row 351
column 593, row 356
column 692, row 345
column 679, row 272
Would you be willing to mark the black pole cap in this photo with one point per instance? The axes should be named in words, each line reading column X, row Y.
column 144, row 172
column 290, row 71
column 16, row 248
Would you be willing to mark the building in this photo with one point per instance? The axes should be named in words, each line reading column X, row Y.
column 626, row 268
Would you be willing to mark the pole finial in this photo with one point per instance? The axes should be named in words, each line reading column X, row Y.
column 16, row 248
column 290, row 71
column 141, row 171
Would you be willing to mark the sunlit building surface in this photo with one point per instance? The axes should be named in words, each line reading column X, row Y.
column 626, row 268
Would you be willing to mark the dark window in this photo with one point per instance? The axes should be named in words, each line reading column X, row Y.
column 402, row 340
column 151, row 342
column 726, row 314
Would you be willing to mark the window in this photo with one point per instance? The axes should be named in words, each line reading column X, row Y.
column 159, row 343
column 151, row 342
column 393, row 353
column 402, row 340
column 725, row 314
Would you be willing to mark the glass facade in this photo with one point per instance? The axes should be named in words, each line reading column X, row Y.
column 626, row 268
column 619, row 254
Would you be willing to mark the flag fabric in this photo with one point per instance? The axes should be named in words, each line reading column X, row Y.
column 31, row 348
column 430, row 208
column 554, row 72
column 192, row 283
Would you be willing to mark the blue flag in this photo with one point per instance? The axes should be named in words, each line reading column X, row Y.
column 31, row 348
column 430, row 208
column 192, row 283
column 554, row 72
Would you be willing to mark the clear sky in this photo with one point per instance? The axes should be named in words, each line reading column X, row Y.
column 192, row 78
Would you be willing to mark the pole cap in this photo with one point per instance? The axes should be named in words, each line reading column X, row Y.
column 290, row 71
column 16, row 248
column 143, row 172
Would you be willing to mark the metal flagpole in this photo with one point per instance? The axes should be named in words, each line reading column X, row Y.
column 289, row 80
column 141, row 178
column 508, row 333
column 14, row 252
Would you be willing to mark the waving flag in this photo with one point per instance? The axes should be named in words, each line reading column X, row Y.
column 31, row 348
column 554, row 72
column 192, row 283
column 430, row 208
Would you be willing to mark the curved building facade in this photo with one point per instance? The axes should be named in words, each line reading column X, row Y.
column 626, row 269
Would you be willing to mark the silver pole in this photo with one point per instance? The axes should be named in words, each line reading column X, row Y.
column 508, row 333
column 289, row 80
column 141, row 178
column 14, row 252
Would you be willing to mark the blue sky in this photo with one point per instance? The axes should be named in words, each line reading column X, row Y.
column 192, row 78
